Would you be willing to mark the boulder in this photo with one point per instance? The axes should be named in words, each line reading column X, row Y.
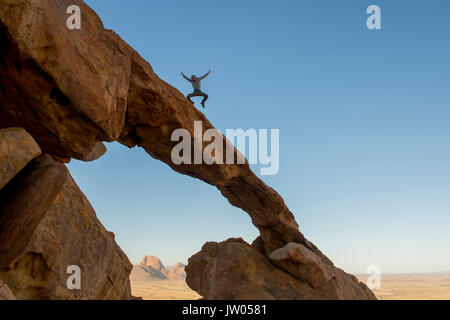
column 17, row 148
column 233, row 269
column 303, row 264
column 48, row 225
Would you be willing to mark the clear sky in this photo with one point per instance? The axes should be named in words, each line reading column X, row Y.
column 363, row 118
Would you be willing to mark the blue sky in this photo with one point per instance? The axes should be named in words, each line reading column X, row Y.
column 363, row 118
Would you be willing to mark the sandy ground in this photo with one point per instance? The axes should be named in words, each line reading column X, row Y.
column 413, row 287
column 163, row 290
column 393, row 287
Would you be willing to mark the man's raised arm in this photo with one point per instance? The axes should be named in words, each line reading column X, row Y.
column 203, row 77
column 186, row 77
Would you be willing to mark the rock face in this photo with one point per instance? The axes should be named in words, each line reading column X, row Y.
column 153, row 262
column 66, row 88
column 73, row 89
column 151, row 268
column 47, row 225
column 17, row 148
column 235, row 270
column 140, row 273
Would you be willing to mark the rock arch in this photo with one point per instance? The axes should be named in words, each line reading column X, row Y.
column 74, row 89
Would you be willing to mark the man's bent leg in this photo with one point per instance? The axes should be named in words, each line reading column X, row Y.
column 189, row 96
column 205, row 97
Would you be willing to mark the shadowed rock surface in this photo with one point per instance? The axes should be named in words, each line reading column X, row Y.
column 47, row 225
column 17, row 148
column 73, row 89
column 303, row 264
column 67, row 88
column 235, row 270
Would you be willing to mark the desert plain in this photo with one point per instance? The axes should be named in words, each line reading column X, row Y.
column 393, row 287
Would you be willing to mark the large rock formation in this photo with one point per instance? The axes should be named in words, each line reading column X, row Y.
column 235, row 270
column 73, row 89
column 47, row 225
column 303, row 264
column 66, row 88
column 154, row 263
column 151, row 268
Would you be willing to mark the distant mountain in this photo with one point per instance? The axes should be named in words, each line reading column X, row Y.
column 151, row 268
column 177, row 272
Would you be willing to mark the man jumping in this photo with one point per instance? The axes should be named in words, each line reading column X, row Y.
column 196, row 84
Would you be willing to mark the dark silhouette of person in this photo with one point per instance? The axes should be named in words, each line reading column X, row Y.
column 196, row 84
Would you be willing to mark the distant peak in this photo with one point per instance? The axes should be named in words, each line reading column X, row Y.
column 179, row 265
column 152, row 261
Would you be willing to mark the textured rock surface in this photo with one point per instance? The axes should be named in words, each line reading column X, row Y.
column 303, row 264
column 17, row 148
column 6, row 293
column 235, row 270
column 73, row 89
column 47, row 225
column 67, row 88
